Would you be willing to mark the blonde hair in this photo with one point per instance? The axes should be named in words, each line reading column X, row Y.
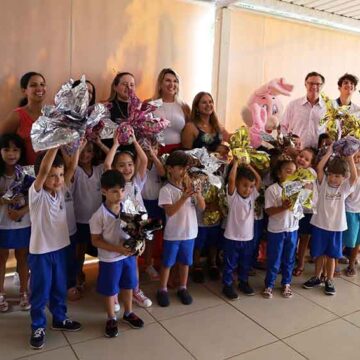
column 115, row 82
column 160, row 78
column 195, row 115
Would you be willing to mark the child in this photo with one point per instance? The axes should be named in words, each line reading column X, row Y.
column 87, row 197
column 134, row 172
column 330, row 220
column 305, row 160
column 48, row 242
column 282, row 231
column 117, row 268
column 14, row 218
column 352, row 234
column 150, row 193
column 179, row 201
column 243, row 189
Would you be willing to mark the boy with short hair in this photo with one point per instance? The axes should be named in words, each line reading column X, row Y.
column 48, row 242
column 329, row 221
column 117, row 266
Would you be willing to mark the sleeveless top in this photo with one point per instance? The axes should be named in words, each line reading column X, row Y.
column 23, row 131
column 206, row 140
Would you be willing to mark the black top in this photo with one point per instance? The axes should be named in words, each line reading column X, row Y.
column 206, row 140
column 119, row 111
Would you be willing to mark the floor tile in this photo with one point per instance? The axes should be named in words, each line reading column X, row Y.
column 335, row 340
column 202, row 298
column 217, row 333
column 152, row 342
column 270, row 313
column 354, row 318
column 15, row 334
column 58, row 354
column 276, row 351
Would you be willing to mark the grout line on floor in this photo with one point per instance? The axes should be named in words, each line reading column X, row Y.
column 38, row 352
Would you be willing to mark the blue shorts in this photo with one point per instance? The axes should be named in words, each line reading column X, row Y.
column 327, row 243
column 351, row 237
column 15, row 238
column 305, row 228
column 178, row 251
column 117, row 275
column 207, row 237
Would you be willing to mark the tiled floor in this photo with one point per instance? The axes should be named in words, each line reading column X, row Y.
column 308, row 326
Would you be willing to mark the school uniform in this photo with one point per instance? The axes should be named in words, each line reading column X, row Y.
column 281, row 239
column 47, row 256
column 116, row 271
column 351, row 237
column 239, row 236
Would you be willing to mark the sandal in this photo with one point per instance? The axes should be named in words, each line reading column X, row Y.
column 287, row 292
column 350, row 272
column 4, row 305
column 24, row 302
column 298, row 271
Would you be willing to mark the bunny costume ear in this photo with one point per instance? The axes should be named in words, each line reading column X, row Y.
column 279, row 87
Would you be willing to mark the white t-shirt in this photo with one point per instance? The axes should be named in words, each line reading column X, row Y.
column 330, row 208
column 353, row 108
column 70, row 211
column 49, row 230
column 87, row 193
column 303, row 119
column 284, row 221
column 240, row 222
column 175, row 114
column 133, row 190
column 352, row 202
column 105, row 223
column 183, row 224
column 5, row 222
column 152, row 185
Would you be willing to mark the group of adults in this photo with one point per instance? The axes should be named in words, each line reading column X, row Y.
column 189, row 128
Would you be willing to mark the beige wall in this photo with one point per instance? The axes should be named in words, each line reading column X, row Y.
column 101, row 37
column 262, row 48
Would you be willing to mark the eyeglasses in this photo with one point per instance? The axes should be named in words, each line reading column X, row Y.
column 314, row 84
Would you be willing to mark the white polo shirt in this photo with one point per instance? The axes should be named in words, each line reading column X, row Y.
column 330, row 208
column 104, row 222
column 352, row 202
column 284, row 221
column 49, row 229
column 240, row 221
column 183, row 224
column 303, row 119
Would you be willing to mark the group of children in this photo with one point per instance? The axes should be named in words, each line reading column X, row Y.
column 75, row 206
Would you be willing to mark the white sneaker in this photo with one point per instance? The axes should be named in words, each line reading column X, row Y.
column 140, row 299
column 152, row 273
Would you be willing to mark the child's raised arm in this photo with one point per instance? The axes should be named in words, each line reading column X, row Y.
column 160, row 168
column 257, row 178
column 232, row 177
column 353, row 171
column 101, row 145
column 71, row 164
column 111, row 154
column 321, row 165
column 45, row 167
column 141, row 160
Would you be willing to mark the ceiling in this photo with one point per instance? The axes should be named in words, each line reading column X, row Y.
column 346, row 8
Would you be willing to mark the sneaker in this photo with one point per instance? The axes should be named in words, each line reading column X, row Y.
column 117, row 307
column 246, row 288
column 66, row 325
column 134, row 321
column 198, row 276
column 4, row 305
column 267, row 293
column 37, row 339
column 312, row 282
column 287, row 292
column 214, row 273
column 230, row 293
column 350, row 272
column 24, row 302
column 111, row 328
column 162, row 298
column 140, row 299
column 152, row 273
column 329, row 287
column 184, row 296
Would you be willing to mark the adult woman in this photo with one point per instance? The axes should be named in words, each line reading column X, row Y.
column 119, row 95
column 172, row 108
column 20, row 120
column 204, row 128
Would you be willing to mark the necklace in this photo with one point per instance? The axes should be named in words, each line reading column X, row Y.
column 122, row 115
